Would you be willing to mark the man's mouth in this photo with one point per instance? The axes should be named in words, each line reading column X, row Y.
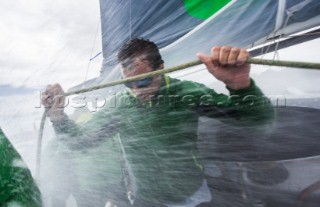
column 144, row 95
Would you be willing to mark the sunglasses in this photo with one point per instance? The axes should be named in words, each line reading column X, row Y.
column 140, row 83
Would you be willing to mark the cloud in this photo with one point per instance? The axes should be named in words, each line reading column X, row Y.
column 44, row 42
column 7, row 90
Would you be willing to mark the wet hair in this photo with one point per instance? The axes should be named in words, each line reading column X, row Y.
column 139, row 46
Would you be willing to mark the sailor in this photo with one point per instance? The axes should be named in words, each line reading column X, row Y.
column 155, row 123
column 17, row 187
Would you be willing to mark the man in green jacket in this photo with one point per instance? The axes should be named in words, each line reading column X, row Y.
column 17, row 187
column 154, row 123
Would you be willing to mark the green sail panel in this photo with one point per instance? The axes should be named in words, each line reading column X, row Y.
column 203, row 9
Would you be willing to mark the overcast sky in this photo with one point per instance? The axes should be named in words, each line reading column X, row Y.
column 47, row 41
column 42, row 42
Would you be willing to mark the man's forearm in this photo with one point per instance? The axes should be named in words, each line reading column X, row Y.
column 68, row 132
column 252, row 104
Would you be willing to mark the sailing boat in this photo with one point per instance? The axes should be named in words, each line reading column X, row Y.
column 269, row 172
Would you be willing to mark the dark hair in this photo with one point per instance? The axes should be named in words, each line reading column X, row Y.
column 139, row 46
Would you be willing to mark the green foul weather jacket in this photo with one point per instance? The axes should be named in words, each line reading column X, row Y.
column 17, row 187
column 156, row 142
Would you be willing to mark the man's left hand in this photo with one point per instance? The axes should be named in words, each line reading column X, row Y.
column 228, row 64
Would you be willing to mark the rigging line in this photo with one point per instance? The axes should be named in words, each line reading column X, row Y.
column 95, row 56
column 281, row 35
column 278, row 24
column 265, row 49
column 292, row 64
column 284, row 43
column 299, row 34
column 305, row 34
column 94, row 42
column 39, row 144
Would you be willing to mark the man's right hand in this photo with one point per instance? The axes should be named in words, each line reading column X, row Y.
column 53, row 99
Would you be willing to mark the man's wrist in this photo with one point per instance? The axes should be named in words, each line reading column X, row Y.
column 239, row 85
column 57, row 117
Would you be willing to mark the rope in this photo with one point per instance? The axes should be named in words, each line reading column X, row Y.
column 280, row 63
column 94, row 42
column 293, row 64
column 39, row 144
column 95, row 56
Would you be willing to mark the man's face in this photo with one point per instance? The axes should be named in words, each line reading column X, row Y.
column 145, row 89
